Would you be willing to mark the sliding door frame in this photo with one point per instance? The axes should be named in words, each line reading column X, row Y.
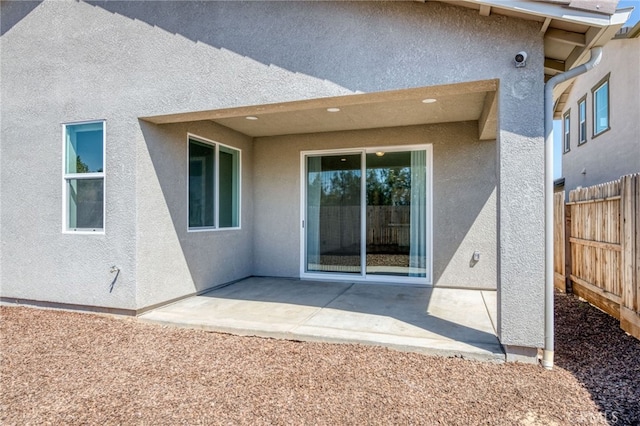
column 362, row 276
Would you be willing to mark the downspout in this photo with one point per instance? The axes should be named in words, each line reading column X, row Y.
column 596, row 55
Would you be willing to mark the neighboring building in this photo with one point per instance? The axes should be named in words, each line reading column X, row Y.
column 601, row 117
column 155, row 150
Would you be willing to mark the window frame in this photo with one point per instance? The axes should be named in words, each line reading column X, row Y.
column 66, row 177
column 594, row 90
column 371, row 278
column 216, row 189
column 566, row 131
column 582, row 135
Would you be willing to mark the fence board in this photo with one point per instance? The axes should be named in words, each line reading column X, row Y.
column 630, row 306
column 559, row 249
column 596, row 244
column 605, row 301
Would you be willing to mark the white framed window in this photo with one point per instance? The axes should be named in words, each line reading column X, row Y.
column 582, row 120
column 83, row 176
column 213, row 185
column 601, row 107
column 566, row 131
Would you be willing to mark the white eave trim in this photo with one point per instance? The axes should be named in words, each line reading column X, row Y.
column 557, row 11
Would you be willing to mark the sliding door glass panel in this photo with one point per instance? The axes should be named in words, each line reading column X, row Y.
column 333, row 234
column 396, row 213
column 418, row 225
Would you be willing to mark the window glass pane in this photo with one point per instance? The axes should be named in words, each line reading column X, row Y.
column 601, row 109
column 201, row 184
column 567, row 133
column 84, row 148
column 583, row 121
column 229, row 191
column 85, row 203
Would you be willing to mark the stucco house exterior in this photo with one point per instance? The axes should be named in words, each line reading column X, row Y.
column 155, row 150
column 601, row 117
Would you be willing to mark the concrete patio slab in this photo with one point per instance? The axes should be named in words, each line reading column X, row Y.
column 446, row 322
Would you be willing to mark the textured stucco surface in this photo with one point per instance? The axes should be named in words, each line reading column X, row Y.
column 615, row 152
column 67, row 61
column 462, row 165
column 171, row 261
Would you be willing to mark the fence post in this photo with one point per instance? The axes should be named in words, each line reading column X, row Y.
column 567, row 249
column 630, row 210
column 559, row 276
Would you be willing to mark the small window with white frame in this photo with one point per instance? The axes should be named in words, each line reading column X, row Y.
column 83, row 176
column 214, row 185
column 566, row 131
column 600, row 95
column 582, row 120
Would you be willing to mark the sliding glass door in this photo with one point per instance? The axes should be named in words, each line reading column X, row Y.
column 367, row 215
column 396, row 213
column 334, row 215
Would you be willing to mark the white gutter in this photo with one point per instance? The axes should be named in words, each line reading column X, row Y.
column 596, row 55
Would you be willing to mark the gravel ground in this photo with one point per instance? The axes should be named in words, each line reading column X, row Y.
column 73, row 368
column 606, row 360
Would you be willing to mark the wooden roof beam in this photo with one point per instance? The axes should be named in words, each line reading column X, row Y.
column 545, row 25
column 567, row 37
column 552, row 66
column 580, row 52
column 485, row 10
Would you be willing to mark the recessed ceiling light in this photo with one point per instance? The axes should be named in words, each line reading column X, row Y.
column 333, row 109
column 343, row 159
column 428, row 101
column 251, row 117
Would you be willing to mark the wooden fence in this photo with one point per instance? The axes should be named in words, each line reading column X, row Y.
column 387, row 226
column 597, row 247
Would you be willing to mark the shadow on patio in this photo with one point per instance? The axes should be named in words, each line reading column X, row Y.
column 446, row 322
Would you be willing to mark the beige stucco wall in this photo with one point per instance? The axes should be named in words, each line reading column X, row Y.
column 615, row 152
column 464, row 198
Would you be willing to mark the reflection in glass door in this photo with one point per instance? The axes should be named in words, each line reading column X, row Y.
column 396, row 213
column 333, row 221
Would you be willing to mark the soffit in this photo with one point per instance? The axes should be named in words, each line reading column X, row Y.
column 571, row 28
column 473, row 101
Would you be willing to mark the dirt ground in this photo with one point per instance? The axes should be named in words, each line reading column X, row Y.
column 74, row 368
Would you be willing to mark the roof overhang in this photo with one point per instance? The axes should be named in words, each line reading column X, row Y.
column 629, row 32
column 472, row 101
column 571, row 28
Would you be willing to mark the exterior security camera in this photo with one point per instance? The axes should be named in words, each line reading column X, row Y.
column 521, row 59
